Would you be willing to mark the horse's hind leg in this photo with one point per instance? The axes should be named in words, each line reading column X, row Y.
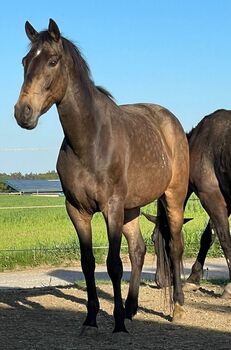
column 137, row 249
column 82, row 223
column 174, row 209
column 206, row 241
column 216, row 206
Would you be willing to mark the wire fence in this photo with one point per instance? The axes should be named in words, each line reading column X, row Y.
column 55, row 249
column 38, row 255
column 34, row 207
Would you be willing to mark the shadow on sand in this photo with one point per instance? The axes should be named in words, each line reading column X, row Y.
column 31, row 320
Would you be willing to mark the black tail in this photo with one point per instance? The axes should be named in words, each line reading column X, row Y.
column 161, row 239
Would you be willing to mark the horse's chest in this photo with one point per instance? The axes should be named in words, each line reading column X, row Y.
column 80, row 185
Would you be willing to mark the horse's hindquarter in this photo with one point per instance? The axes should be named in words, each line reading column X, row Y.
column 158, row 153
column 210, row 153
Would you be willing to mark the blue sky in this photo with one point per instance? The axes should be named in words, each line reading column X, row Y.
column 174, row 53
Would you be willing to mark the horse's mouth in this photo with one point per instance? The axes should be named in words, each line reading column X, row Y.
column 25, row 117
column 27, row 124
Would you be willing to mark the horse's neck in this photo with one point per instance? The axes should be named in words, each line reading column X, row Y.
column 82, row 115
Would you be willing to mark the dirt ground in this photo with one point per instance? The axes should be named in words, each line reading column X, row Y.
column 51, row 318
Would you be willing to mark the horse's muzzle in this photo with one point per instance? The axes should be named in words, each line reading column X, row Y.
column 24, row 116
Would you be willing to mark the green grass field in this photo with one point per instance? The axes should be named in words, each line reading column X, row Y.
column 33, row 236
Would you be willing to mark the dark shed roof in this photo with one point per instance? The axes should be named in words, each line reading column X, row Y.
column 34, row 186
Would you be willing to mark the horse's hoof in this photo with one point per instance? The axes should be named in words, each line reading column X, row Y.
column 227, row 292
column 120, row 329
column 190, row 287
column 88, row 331
column 178, row 313
column 131, row 307
column 128, row 325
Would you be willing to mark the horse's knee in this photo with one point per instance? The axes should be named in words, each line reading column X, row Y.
column 114, row 267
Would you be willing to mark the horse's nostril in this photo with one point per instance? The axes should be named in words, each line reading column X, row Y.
column 27, row 110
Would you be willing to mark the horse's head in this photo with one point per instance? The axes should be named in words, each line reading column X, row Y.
column 45, row 76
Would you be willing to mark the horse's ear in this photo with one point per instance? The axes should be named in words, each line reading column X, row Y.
column 53, row 30
column 151, row 218
column 31, row 32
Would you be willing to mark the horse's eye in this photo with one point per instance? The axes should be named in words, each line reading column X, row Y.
column 53, row 61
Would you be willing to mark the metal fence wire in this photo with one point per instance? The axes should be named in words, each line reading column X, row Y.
column 191, row 248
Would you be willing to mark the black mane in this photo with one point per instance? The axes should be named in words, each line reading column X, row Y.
column 104, row 91
column 80, row 64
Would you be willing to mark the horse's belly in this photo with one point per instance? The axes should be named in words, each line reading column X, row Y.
column 144, row 181
column 146, row 187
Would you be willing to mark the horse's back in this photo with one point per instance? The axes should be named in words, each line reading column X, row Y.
column 211, row 129
column 159, row 115
column 159, row 118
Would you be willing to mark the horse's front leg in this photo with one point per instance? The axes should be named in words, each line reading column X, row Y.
column 114, row 216
column 82, row 223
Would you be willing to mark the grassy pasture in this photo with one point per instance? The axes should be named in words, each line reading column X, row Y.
column 33, row 232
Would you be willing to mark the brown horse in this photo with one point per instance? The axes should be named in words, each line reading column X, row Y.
column 210, row 179
column 114, row 159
